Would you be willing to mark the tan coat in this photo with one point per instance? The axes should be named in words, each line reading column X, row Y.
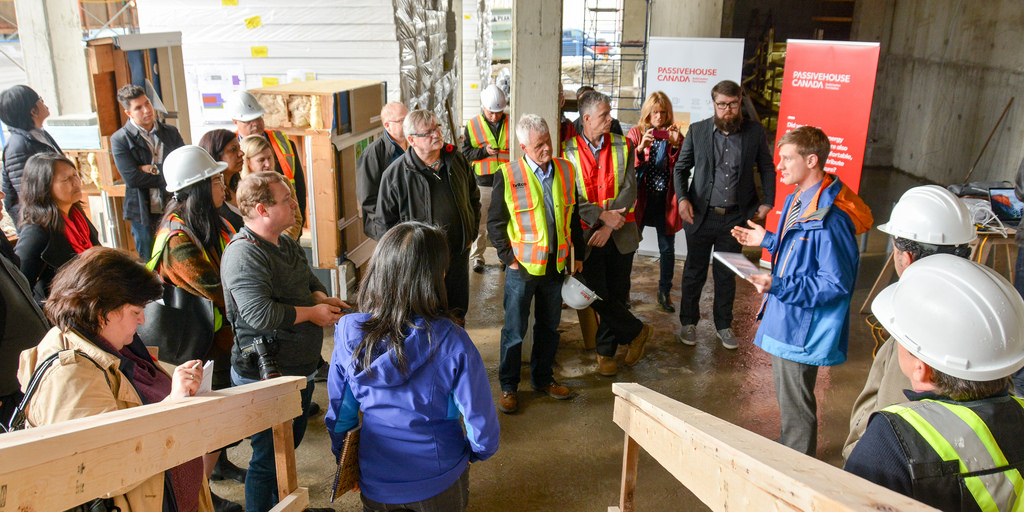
column 74, row 388
column 884, row 387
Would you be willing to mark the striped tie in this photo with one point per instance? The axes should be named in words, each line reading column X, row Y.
column 794, row 213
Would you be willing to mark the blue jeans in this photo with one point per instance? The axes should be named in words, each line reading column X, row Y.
column 654, row 216
column 261, row 479
column 519, row 293
column 142, row 232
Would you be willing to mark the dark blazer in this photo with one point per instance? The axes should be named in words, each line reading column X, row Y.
column 130, row 151
column 698, row 155
column 21, row 146
column 375, row 158
column 42, row 255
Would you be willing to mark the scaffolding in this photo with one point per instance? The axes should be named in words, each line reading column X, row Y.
column 609, row 64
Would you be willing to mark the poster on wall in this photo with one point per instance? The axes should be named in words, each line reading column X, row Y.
column 828, row 84
column 685, row 69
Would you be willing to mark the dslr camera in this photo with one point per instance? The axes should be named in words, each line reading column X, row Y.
column 263, row 349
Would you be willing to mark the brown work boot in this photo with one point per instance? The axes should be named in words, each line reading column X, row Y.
column 556, row 391
column 636, row 347
column 606, row 366
column 508, row 403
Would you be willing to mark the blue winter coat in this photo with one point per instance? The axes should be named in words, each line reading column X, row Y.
column 805, row 314
column 412, row 444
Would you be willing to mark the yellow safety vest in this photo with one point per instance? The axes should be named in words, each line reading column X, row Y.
column 986, row 473
column 479, row 136
column 528, row 226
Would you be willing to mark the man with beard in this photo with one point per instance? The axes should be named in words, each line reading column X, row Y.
column 723, row 153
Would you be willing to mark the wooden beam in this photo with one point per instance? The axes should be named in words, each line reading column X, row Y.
column 297, row 501
column 730, row 468
column 284, row 458
column 630, row 459
column 59, row 466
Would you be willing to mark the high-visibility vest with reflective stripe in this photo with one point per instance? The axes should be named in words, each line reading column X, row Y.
column 479, row 136
column 957, row 435
column 528, row 225
column 283, row 150
column 175, row 226
column 596, row 184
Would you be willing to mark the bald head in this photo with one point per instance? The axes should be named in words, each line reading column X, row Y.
column 391, row 116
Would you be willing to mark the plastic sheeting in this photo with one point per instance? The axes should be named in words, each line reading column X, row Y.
column 428, row 80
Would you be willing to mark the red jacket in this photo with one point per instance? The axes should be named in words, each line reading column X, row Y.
column 672, row 221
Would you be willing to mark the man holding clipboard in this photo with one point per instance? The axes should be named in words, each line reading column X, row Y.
column 805, row 312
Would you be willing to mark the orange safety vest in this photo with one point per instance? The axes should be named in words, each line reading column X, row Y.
column 600, row 177
column 528, row 225
column 479, row 136
column 283, row 149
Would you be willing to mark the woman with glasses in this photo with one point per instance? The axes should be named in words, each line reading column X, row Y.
column 54, row 228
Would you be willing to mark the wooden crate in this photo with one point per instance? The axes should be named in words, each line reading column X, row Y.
column 341, row 117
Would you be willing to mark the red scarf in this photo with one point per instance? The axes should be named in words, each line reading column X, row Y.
column 76, row 229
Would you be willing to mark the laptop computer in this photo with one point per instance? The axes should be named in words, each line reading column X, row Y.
column 1005, row 205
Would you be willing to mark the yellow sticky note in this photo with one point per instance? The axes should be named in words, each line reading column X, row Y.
column 473, row 86
column 258, row 52
column 468, row 16
column 229, row 2
column 269, row 80
column 253, row 22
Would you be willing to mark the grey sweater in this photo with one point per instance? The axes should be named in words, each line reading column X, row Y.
column 263, row 284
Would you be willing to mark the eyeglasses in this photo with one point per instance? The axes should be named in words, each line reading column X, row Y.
column 434, row 132
column 732, row 105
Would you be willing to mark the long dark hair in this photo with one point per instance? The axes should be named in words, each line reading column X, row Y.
column 37, row 203
column 194, row 204
column 96, row 283
column 405, row 279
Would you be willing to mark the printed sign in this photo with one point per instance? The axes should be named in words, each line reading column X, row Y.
column 686, row 68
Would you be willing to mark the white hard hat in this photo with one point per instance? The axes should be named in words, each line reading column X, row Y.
column 493, row 99
column 959, row 317
column 243, row 106
column 576, row 295
column 933, row 215
column 189, row 164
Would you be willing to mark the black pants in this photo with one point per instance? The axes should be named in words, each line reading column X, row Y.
column 713, row 233
column 607, row 273
column 456, row 283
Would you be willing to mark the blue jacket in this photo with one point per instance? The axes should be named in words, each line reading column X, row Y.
column 412, row 445
column 805, row 314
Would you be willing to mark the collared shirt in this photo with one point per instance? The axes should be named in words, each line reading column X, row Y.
column 398, row 149
column 156, row 146
column 805, row 196
column 546, row 176
column 727, row 168
column 594, row 149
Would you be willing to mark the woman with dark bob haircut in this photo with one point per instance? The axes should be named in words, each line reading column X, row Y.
column 95, row 307
column 417, row 378
column 54, row 228
column 23, row 111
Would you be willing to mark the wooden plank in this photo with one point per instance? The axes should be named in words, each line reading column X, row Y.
column 58, row 466
column 105, row 92
column 284, row 457
column 297, row 501
column 730, row 468
column 323, row 189
column 180, row 95
column 630, row 459
column 315, row 87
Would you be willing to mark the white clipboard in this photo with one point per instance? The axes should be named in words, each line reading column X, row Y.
column 738, row 263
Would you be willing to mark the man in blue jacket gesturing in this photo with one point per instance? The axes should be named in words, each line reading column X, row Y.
column 805, row 312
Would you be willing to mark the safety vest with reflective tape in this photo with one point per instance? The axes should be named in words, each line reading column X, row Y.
column 528, row 226
column 286, row 158
column 951, row 447
column 600, row 178
column 175, row 225
column 479, row 136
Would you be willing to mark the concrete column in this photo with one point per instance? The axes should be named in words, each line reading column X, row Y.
column 536, row 64
column 51, row 41
column 686, row 18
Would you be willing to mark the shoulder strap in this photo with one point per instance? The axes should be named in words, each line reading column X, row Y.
column 18, row 420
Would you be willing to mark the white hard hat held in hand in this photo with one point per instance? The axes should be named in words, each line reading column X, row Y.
column 188, row 165
column 243, row 106
column 931, row 214
column 959, row 317
column 493, row 99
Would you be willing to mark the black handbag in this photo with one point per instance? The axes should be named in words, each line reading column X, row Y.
column 181, row 325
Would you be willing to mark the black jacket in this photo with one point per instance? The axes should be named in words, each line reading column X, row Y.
column 372, row 163
column 405, row 193
column 698, row 155
column 130, row 151
column 498, row 218
column 42, row 255
column 21, row 146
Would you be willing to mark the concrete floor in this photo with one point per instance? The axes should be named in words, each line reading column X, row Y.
column 567, row 456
